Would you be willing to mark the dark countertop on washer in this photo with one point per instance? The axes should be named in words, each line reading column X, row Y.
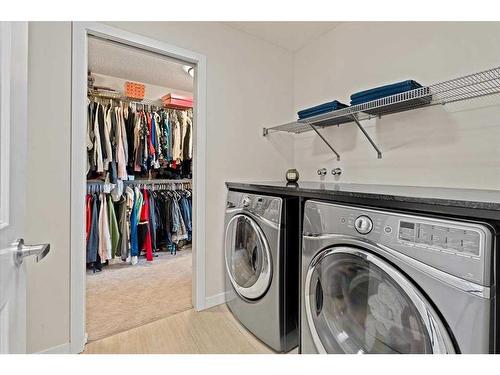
column 462, row 202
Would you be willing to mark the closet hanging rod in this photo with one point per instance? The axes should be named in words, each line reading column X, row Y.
column 154, row 182
column 119, row 96
column 148, row 102
column 146, row 182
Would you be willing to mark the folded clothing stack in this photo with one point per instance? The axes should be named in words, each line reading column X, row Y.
column 321, row 109
column 388, row 90
column 383, row 91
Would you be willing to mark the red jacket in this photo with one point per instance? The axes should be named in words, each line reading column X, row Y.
column 145, row 218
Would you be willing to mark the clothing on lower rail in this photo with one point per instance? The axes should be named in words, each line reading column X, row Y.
column 140, row 220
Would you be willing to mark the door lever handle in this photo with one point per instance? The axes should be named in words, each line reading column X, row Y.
column 22, row 250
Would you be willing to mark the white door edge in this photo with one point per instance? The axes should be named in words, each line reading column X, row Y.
column 4, row 123
column 13, row 180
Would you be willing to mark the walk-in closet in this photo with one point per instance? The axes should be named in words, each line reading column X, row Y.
column 139, row 201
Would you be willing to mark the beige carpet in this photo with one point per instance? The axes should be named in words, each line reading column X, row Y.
column 122, row 296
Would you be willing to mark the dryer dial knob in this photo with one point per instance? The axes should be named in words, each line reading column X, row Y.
column 246, row 202
column 363, row 224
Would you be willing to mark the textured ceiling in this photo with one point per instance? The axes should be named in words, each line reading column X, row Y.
column 289, row 35
column 135, row 65
column 132, row 64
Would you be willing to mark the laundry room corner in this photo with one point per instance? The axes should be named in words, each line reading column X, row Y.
column 456, row 155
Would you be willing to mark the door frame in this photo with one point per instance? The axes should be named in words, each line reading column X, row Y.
column 80, row 33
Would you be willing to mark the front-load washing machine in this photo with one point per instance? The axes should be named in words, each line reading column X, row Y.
column 385, row 282
column 262, row 266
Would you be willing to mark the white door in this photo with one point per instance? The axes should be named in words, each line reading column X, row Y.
column 13, row 148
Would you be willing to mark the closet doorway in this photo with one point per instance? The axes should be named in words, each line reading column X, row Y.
column 143, row 238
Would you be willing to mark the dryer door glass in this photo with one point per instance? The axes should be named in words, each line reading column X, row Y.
column 248, row 260
column 355, row 306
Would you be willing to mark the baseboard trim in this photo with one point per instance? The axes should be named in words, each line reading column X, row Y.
column 60, row 349
column 217, row 299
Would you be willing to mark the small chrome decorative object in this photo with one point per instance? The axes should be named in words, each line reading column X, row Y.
column 322, row 172
column 292, row 175
column 336, row 171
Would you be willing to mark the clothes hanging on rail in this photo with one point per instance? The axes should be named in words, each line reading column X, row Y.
column 144, row 227
column 104, row 235
column 187, row 139
column 114, row 230
column 93, row 234
column 141, row 221
column 88, row 212
column 123, row 141
column 129, row 117
column 123, row 217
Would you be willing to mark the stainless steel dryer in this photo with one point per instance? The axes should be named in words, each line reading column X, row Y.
column 262, row 272
column 383, row 282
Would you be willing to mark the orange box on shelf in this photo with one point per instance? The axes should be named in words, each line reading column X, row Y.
column 177, row 101
column 135, row 90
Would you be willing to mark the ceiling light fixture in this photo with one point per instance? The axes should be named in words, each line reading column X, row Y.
column 189, row 70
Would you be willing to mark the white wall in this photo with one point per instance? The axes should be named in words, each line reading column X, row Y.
column 48, row 190
column 249, row 85
column 451, row 146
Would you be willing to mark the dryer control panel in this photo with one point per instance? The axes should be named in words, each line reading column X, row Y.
column 259, row 205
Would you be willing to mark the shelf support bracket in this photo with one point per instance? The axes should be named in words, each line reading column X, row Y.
column 324, row 140
column 379, row 154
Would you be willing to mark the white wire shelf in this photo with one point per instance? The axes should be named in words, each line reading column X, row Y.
column 462, row 88
column 120, row 97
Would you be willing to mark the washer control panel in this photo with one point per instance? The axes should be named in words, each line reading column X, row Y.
column 456, row 240
column 460, row 248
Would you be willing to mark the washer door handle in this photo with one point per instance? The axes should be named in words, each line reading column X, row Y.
column 319, row 297
column 254, row 259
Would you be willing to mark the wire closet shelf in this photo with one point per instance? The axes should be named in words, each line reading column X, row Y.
column 463, row 88
column 120, row 97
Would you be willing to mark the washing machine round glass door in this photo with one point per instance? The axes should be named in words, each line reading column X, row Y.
column 358, row 303
column 248, row 259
